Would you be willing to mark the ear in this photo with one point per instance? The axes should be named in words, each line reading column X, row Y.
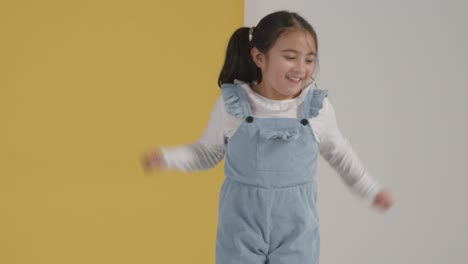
column 258, row 57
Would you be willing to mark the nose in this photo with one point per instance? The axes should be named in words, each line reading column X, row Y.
column 300, row 67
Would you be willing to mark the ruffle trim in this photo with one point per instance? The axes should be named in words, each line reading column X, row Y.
column 276, row 134
column 316, row 102
column 232, row 100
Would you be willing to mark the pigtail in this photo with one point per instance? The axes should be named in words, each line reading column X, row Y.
column 238, row 63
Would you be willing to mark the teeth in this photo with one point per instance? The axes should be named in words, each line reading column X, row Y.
column 293, row 78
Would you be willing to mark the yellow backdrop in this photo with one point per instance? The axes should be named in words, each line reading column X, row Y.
column 85, row 88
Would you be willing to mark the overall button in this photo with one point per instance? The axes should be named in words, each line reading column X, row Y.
column 304, row 122
column 249, row 119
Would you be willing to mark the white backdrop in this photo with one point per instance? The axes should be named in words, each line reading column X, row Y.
column 396, row 72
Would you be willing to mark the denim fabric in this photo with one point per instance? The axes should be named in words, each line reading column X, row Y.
column 267, row 208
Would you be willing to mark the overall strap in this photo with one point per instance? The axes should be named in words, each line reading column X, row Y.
column 313, row 102
column 235, row 100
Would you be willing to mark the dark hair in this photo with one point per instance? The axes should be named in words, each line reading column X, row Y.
column 239, row 64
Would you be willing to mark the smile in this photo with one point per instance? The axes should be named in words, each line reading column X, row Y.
column 294, row 79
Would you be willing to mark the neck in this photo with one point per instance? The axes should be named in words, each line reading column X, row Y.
column 270, row 93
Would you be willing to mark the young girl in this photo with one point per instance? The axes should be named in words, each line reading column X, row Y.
column 271, row 123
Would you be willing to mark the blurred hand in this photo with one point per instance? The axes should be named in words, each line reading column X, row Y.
column 152, row 160
column 383, row 200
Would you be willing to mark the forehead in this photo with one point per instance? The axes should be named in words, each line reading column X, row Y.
column 299, row 40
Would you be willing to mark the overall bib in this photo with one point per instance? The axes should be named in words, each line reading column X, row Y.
column 267, row 206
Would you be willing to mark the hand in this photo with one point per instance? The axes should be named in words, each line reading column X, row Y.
column 383, row 200
column 152, row 160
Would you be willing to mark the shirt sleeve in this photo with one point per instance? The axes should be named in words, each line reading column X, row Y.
column 338, row 152
column 206, row 152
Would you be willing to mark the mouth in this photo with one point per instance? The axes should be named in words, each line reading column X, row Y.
column 294, row 79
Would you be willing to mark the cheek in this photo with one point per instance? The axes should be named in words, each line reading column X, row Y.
column 311, row 69
column 279, row 69
column 283, row 67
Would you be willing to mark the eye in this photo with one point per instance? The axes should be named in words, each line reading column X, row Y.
column 310, row 61
column 290, row 58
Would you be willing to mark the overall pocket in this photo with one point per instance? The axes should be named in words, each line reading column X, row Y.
column 275, row 149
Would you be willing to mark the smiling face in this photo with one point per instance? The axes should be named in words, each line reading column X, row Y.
column 287, row 67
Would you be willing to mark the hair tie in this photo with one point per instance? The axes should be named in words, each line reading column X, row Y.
column 251, row 33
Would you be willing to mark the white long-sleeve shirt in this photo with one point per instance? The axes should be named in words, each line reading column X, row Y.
column 209, row 150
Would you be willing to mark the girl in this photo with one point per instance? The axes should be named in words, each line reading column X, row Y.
column 271, row 123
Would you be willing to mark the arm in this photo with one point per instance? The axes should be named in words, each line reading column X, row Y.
column 337, row 151
column 206, row 152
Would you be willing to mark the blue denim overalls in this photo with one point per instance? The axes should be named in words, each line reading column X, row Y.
column 267, row 207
